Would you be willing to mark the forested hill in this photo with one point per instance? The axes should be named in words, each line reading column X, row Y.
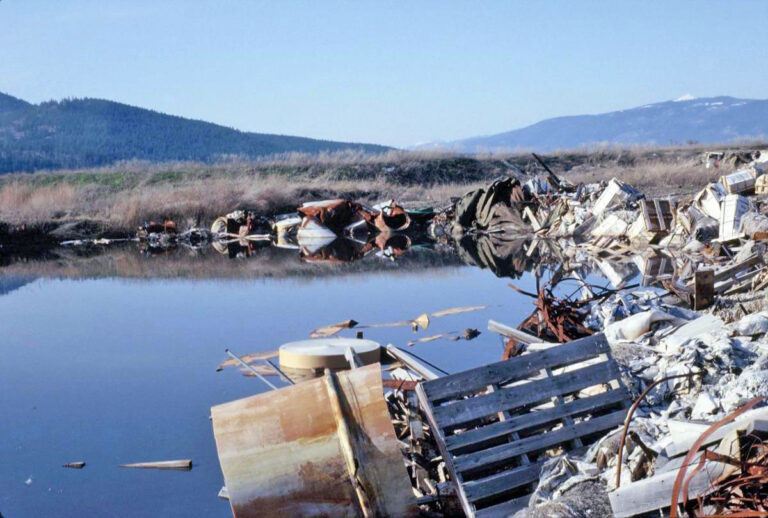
column 94, row 132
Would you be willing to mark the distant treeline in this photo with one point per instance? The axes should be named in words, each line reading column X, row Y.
column 78, row 133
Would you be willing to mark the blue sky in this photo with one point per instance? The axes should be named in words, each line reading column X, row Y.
column 395, row 73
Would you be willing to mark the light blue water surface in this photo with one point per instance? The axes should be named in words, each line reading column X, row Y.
column 113, row 371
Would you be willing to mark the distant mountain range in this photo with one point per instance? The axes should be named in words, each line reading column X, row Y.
column 686, row 120
column 94, row 132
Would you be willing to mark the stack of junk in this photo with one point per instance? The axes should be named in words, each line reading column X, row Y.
column 609, row 401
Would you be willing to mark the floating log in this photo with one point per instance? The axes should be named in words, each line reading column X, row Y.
column 181, row 465
column 74, row 465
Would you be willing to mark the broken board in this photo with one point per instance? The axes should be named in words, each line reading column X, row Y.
column 492, row 422
column 289, row 452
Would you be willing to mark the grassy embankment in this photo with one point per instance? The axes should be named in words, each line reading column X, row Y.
column 121, row 196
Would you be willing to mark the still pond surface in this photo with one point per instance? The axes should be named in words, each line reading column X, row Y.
column 113, row 370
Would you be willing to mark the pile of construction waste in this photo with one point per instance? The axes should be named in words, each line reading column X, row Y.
column 609, row 401
column 690, row 374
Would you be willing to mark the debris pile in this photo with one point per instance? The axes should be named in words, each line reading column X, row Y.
column 685, row 370
column 552, row 428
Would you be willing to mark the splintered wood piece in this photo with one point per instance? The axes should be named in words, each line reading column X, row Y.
column 181, row 465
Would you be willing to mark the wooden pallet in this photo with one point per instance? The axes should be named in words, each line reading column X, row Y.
column 492, row 422
column 658, row 215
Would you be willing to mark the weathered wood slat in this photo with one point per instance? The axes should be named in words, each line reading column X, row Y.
column 729, row 271
column 500, row 390
column 499, row 483
column 497, row 455
column 504, row 509
column 521, row 367
column 523, row 395
column 447, row 457
column 534, row 419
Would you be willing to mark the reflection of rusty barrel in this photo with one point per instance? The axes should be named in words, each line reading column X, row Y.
column 392, row 218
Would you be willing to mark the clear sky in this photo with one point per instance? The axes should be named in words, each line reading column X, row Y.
column 396, row 73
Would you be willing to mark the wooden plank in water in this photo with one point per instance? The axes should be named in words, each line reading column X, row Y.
column 412, row 363
column 181, row 465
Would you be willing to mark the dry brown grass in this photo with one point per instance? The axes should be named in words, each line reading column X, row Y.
column 125, row 194
column 653, row 177
column 35, row 204
column 198, row 201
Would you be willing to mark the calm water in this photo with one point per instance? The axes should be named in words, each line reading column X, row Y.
column 115, row 370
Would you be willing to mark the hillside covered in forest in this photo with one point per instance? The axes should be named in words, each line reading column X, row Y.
column 79, row 133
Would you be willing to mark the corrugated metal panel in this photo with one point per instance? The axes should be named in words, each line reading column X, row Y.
column 284, row 453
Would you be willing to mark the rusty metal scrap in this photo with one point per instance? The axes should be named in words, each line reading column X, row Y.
column 631, row 412
column 743, row 492
column 392, row 218
column 561, row 319
column 681, row 481
column 284, row 454
column 334, row 214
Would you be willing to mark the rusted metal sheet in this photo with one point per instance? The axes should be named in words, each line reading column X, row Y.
column 392, row 218
column 334, row 214
column 704, row 289
column 286, row 453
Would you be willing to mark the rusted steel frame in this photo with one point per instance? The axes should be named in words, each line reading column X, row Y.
column 723, row 481
column 726, row 459
column 723, row 491
column 695, row 448
column 631, row 412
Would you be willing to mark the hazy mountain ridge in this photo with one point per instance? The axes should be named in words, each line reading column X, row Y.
column 94, row 132
column 707, row 120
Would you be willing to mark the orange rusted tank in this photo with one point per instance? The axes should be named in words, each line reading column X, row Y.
column 293, row 452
